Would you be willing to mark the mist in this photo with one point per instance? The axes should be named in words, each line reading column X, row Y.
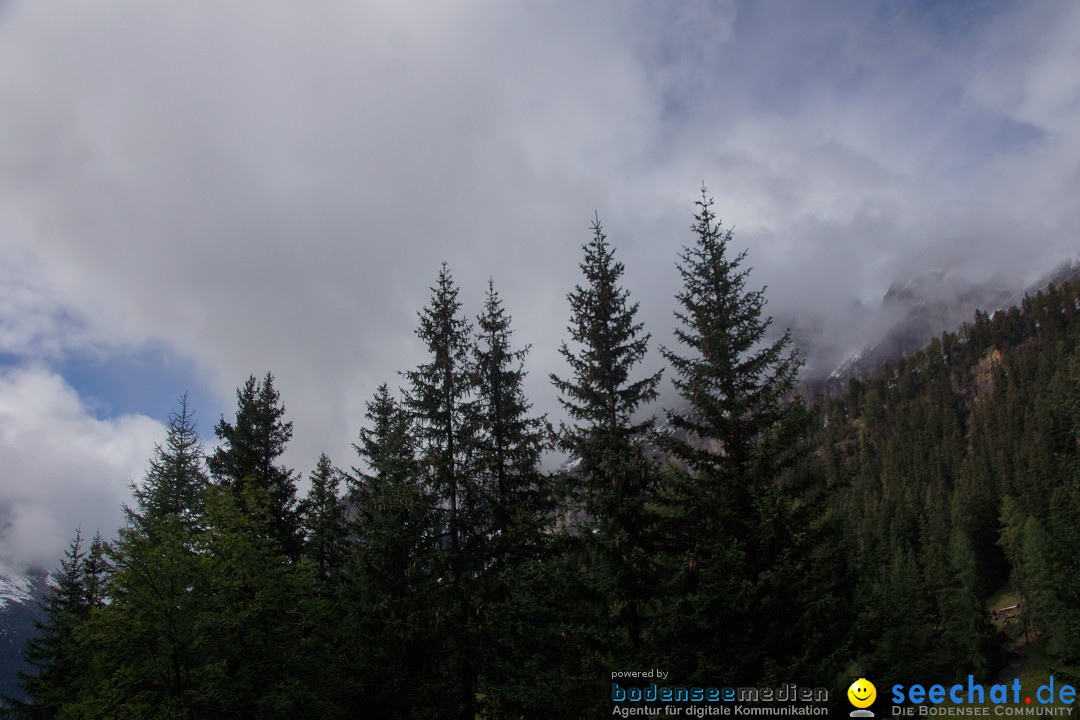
column 273, row 186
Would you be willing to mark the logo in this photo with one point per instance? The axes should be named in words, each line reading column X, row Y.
column 862, row 694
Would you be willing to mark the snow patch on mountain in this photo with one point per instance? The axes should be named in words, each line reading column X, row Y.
column 15, row 588
column 23, row 589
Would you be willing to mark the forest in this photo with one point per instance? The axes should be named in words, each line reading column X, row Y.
column 747, row 537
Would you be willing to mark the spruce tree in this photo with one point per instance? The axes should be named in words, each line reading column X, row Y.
column 737, row 526
column 254, row 616
column 176, row 480
column 249, row 449
column 600, row 397
column 508, row 441
column 440, row 400
column 323, row 519
column 144, row 637
column 391, row 566
column 734, row 382
column 57, row 658
column 612, row 483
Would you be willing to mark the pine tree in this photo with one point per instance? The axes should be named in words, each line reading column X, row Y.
column 254, row 616
column 508, row 442
column 144, row 638
column 601, row 395
column 248, row 452
column 440, row 400
column 96, row 572
column 613, row 480
column 735, row 383
column 391, row 566
column 176, row 479
column 739, row 526
column 322, row 517
column 392, row 522
column 57, row 658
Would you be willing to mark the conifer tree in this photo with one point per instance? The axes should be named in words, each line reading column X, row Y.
column 613, row 479
column 248, row 453
column 144, row 638
column 97, row 571
column 391, row 565
column 440, row 401
column 57, row 658
column 600, row 396
column 392, row 513
column 254, row 616
column 439, row 398
column 176, row 480
column 737, row 526
column 507, row 441
column 735, row 383
column 322, row 517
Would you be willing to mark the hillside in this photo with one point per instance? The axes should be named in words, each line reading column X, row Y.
column 19, row 598
column 869, row 535
column 956, row 473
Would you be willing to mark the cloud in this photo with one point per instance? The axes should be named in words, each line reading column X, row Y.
column 62, row 468
column 273, row 185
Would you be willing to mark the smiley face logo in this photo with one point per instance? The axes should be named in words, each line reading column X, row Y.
column 862, row 693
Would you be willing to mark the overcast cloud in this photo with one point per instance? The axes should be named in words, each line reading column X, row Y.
column 272, row 185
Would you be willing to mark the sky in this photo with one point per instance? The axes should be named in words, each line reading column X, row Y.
column 192, row 193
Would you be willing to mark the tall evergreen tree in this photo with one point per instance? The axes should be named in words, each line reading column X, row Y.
column 508, row 441
column 391, row 566
column 56, row 656
column 323, row 519
column 440, row 400
column 600, row 396
column 248, row 453
column 176, row 480
column 144, row 638
column 743, row 537
column 613, row 480
column 254, row 616
column 735, row 383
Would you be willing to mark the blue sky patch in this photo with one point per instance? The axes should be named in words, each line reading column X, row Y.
column 149, row 381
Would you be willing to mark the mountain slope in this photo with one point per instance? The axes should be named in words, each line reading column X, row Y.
column 956, row 470
column 20, row 596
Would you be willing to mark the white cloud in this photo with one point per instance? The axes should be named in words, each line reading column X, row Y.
column 272, row 185
column 62, row 468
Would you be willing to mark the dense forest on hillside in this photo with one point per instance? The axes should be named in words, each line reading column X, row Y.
column 747, row 540
column 956, row 474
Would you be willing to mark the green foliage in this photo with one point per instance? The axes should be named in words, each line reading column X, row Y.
column 388, row 589
column 507, row 446
column 507, row 441
column 443, row 411
column 146, row 635
column 247, row 455
column 755, row 541
column 57, row 656
column 745, row 521
column 176, row 479
column 613, row 481
column 251, row 614
column 323, row 521
column 960, row 457
column 735, row 383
